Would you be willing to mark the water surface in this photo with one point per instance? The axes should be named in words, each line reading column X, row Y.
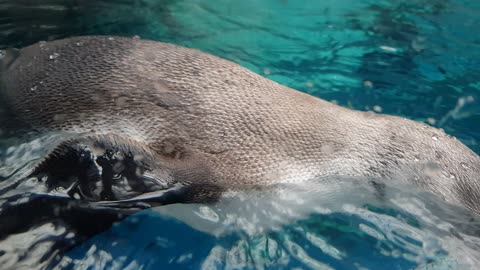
column 418, row 58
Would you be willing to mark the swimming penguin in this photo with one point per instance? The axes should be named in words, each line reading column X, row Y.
column 157, row 123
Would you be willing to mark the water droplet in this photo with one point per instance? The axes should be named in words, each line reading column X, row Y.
column 136, row 37
column 435, row 138
column 33, row 88
column 464, row 165
column 309, row 84
column 78, row 44
column 452, row 176
column 266, row 71
column 377, row 108
column 2, row 54
column 431, row 121
column 111, row 38
column 53, row 56
column 367, row 84
column 42, row 43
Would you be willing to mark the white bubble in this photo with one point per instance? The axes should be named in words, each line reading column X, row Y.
column 367, row 84
column 208, row 213
column 388, row 49
column 53, row 56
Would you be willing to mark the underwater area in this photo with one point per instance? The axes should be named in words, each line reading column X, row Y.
column 418, row 59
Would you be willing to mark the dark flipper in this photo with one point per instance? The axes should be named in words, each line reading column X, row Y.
column 95, row 181
column 102, row 168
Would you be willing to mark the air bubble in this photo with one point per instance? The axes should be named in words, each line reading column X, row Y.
column 136, row 37
column 377, row 108
column 464, row 165
column 388, row 49
column 33, row 88
column 367, row 84
column 42, row 43
column 2, row 54
column 435, row 138
column 53, row 56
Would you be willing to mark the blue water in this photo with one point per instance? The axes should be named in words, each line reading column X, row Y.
column 415, row 58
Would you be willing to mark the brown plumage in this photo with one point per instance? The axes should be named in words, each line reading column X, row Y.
column 209, row 121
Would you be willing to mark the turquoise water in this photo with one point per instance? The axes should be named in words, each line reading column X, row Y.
column 418, row 58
